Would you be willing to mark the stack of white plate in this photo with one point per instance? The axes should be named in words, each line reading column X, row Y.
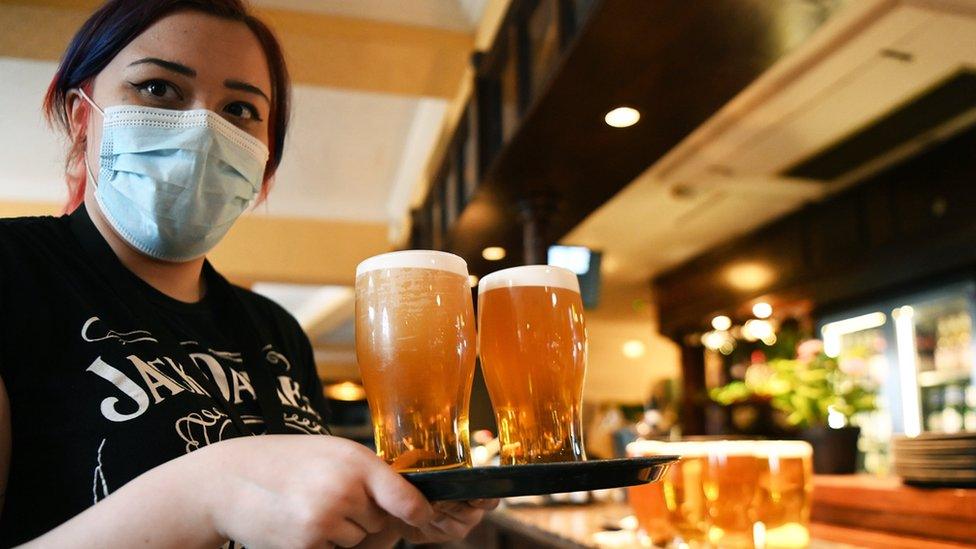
column 936, row 459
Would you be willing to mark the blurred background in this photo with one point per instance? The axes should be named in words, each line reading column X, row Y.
column 728, row 178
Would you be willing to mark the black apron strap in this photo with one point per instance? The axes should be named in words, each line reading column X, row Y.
column 230, row 309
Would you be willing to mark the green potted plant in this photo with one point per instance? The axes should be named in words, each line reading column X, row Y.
column 815, row 397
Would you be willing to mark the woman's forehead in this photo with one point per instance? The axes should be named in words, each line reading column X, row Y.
column 216, row 48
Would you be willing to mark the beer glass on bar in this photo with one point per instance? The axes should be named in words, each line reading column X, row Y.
column 682, row 490
column 730, row 487
column 415, row 338
column 647, row 500
column 785, row 487
column 532, row 341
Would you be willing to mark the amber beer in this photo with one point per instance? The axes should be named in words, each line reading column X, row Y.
column 730, row 488
column 533, row 354
column 785, row 486
column 681, row 507
column 415, row 338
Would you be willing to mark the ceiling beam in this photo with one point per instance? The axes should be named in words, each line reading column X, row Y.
column 322, row 50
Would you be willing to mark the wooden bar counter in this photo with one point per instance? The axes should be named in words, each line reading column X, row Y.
column 848, row 512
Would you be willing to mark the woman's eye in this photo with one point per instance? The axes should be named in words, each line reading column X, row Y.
column 158, row 89
column 244, row 111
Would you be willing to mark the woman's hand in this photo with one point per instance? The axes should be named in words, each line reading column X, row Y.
column 312, row 491
column 453, row 520
column 267, row 491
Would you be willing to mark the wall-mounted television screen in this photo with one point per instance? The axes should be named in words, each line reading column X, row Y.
column 586, row 264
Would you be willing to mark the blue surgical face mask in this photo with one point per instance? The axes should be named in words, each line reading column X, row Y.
column 171, row 183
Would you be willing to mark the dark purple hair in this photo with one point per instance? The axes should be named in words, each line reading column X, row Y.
column 117, row 23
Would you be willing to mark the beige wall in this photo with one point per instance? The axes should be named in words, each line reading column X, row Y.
column 626, row 313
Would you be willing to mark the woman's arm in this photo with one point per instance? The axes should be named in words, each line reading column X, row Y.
column 283, row 491
column 276, row 490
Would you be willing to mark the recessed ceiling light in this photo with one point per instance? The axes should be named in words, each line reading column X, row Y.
column 622, row 117
column 472, row 280
column 493, row 253
column 634, row 348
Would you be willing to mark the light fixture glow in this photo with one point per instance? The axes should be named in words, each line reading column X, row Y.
column 473, row 280
column 758, row 330
column 832, row 332
column 749, row 276
column 721, row 323
column 622, row 117
column 346, row 391
column 908, row 369
column 634, row 348
column 493, row 253
column 762, row 310
column 719, row 340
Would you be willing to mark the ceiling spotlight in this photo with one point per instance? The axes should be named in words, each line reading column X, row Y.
column 634, row 348
column 762, row 310
column 622, row 117
column 721, row 323
column 473, row 280
column 493, row 253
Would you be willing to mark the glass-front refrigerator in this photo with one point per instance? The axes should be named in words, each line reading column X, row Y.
column 918, row 352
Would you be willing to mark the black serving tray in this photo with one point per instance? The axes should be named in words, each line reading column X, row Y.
column 539, row 478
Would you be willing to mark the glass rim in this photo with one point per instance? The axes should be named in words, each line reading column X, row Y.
column 530, row 275
column 703, row 448
column 415, row 259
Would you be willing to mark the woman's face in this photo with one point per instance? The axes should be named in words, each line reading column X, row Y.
column 187, row 60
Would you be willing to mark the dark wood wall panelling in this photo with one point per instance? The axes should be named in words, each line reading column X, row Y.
column 908, row 228
column 534, row 128
column 893, row 232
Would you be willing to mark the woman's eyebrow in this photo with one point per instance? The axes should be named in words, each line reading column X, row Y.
column 170, row 65
column 244, row 86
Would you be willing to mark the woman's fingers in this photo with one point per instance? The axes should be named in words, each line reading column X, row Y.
column 485, row 504
column 458, row 521
column 396, row 496
column 370, row 517
column 347, row 534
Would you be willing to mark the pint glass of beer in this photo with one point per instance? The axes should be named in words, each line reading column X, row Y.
column 415, row 338
column 730, row 487
column 785, row 486
column 533, row 354
column 647, row 500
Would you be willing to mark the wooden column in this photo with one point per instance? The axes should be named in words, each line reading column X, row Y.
column 536, row 212
column 694, row 396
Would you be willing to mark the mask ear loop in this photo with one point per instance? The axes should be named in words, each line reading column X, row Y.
column 101, row 112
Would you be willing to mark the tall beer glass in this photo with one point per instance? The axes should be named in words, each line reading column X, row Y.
column 785, row 486
column 730, row 486
column 648, row 501
column 533, row 354
column 415, row 338
column 684, row 492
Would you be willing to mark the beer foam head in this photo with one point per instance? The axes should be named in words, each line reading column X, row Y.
column 642, row 448
column 783, row 449
column 530, row 275
column 415, row 259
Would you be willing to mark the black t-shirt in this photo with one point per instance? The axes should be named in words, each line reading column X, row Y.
column 96, row 397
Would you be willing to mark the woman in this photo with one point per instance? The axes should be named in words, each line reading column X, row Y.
column 124, row 356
